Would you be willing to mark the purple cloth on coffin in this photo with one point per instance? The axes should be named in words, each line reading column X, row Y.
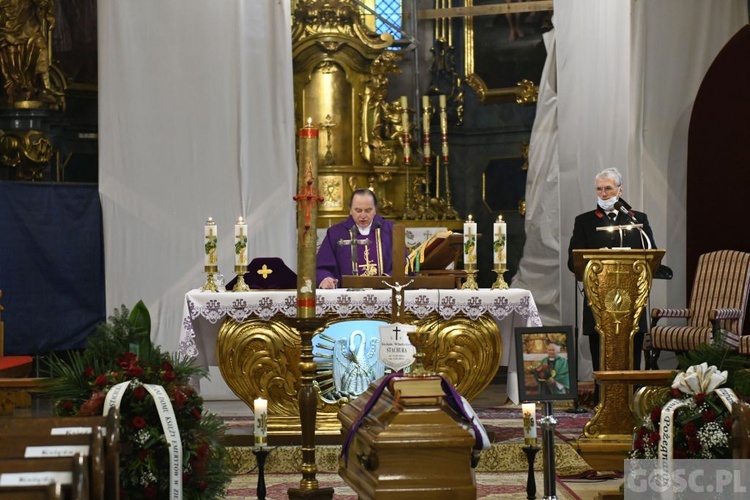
column 458, row 403
column 335, row 260
column 268, row 273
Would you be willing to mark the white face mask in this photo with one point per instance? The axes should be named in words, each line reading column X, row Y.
column 607, row 204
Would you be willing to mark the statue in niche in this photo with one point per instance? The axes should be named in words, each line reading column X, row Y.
column 381, row 120
column 25, row 59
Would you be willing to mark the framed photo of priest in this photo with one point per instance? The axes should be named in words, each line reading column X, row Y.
column 546, row 360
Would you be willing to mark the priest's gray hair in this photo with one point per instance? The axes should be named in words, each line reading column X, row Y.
column 363, row 191
column 610, row 173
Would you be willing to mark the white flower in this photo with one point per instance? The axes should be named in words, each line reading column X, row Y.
column 699, row 378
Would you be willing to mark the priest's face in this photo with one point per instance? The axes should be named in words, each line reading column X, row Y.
column 363, row 209
column 551, row 351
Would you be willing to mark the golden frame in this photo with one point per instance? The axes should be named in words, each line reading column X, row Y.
column 525, row 91
column 331, row 188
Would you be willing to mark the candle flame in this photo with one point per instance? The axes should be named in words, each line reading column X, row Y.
column 470, row 218
column 309, row 121
column 499, row 218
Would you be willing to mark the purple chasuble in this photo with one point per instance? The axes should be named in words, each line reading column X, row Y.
column 335, row 260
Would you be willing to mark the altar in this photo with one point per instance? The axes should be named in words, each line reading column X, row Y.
column 472, row 324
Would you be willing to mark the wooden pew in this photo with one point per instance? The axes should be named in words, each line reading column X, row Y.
column 70, row 472
column 34, row 446
column 52, row 491
column 49, row 426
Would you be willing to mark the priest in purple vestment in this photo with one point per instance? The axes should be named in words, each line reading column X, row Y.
column 361, row 245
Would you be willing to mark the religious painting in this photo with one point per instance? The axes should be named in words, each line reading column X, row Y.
column 547, row 369
column 504, row 185
column 504, row 51
column 332, row 189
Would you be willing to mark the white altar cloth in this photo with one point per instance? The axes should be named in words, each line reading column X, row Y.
column 204, row 312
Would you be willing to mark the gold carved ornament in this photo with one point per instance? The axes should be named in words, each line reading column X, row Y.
column 260, row 358
column 626, row 282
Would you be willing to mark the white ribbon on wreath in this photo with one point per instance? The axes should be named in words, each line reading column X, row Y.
column 169, row 426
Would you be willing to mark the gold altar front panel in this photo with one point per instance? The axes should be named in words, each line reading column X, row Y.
column 260, row 358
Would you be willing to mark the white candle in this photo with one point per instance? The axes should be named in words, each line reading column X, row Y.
column 529, row 423
column 470, row 242
column 499, row 241
column 210, row 237
column 260, row 413
column 425, row 102
column 240, row 242
column 404, row 114
column 442, row 101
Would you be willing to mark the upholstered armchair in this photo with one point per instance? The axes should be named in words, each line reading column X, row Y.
column 718, row 301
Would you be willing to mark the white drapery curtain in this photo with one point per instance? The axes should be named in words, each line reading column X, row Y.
column 627, row 75
column 195, row 121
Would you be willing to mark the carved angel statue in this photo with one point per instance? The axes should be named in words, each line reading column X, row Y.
column 356, row 363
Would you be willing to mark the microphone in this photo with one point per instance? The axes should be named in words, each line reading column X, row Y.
column 623, row 207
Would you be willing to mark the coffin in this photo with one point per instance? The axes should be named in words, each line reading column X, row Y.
column 410, row 445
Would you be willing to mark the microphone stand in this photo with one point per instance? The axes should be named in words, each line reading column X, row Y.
column 576, row 409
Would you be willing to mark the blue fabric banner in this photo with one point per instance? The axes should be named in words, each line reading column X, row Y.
column 51, row 265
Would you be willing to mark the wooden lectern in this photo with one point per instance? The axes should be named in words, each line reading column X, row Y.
column 617, row 284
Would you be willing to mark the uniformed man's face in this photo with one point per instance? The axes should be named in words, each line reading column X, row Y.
column 363, row 209
column 606, row 189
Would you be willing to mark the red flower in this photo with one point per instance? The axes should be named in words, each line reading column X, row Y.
column 196, row 413
column 656, row 414
column 167, row 366
column 135, row 371
column 690, row 429
column 88, row 372
column 653, row 438
column 643, row 432
column 169, row 376
column 708, row 416
column 728, row 424
column 700, row 398
column 202, row 485
column 67, row 405
column 93, row 406
column 139, row 422
column 638, row 444
column 150, row 491
column 101, row 381
column 139, row 392
column 143, row 455
column 675, row 393
column 694, row 445
column 178, row 400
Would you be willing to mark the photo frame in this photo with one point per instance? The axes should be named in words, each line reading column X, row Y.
column 504, row 52
column 541, row 374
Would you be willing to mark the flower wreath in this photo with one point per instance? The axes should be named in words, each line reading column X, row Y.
column 120, row 357
column 696, row 422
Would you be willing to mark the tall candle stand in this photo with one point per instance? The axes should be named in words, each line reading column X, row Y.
column 240, row 286
column 409, row 212
column 548, row 422
column 260, row 457
column 530, row 451
column 500, row 283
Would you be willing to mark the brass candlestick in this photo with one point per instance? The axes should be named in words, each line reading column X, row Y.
column 471, row 279
column 500, row 283
column 210, row 285
column 240, row 286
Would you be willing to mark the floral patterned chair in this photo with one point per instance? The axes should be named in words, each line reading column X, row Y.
column 718, row 302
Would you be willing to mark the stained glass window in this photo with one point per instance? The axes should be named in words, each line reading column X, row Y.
column 390, row 11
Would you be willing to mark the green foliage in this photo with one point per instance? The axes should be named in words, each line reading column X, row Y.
column 723, row 358
column 121, row 351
